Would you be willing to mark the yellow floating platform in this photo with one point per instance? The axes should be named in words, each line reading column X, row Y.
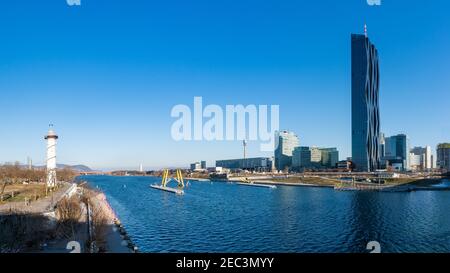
column 168, row 189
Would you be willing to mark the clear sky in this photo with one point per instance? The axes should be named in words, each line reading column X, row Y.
column 107, row 73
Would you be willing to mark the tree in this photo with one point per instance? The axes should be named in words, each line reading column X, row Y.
column 4, row 179
column 66, row 174
column 14, row 173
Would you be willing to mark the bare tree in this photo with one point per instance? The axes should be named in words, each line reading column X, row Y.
column 69, row 213
column 67, row 174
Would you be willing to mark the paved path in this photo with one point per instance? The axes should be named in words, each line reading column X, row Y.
column 40, row 206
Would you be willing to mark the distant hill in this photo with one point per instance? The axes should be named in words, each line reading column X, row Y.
column 78, row 168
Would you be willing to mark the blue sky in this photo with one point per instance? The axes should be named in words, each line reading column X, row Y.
column 107, row 73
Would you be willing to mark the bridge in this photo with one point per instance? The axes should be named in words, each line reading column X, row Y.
column 95, row 173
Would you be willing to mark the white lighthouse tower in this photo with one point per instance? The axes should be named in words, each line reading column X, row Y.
column 51, row 138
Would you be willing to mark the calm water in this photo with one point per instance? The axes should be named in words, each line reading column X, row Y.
column 221, row 217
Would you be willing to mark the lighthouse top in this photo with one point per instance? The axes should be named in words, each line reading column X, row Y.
column 51, row 133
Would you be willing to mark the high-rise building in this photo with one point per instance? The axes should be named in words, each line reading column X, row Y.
column 314, row 158
column 330, row 157
column 306, row 158
column 443, row 156
column 285, row 143
column 421, row 158
column 397, row 152
column 415, row 162
column 365, row 104
column 196, row 166
column 428, row 164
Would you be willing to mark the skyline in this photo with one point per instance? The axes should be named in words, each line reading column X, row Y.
column 104, row 82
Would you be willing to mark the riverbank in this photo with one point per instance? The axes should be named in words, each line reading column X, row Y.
column 113, row 238
column 74, row 212
column 390, row 185
column 43, row 225
column 291, row 181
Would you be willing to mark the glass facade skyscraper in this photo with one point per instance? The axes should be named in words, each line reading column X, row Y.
column 330, row 157
column 397, row 151
column 365, row 104
column 285, row 143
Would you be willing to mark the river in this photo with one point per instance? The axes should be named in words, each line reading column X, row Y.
column 225, row 217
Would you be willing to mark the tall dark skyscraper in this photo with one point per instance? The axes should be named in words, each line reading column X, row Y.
column 365, row 105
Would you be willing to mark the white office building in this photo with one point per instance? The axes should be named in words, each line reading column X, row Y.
column 421, row 158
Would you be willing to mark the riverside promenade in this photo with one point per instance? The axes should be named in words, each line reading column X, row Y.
column 115, row 238
column 42, row 205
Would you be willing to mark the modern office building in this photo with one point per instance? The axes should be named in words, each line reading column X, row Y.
column 443, row 156
column 365, row 104
column 314, row 158
column 415, row 162
column 197, row 166
column 397, row 152
column 285, row 143
column 330, row 157
column 259, row 164
column 421, row 158
column 306, row 158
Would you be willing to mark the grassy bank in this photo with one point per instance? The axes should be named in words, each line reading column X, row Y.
column 314, row 181
column 331, row 182
column 417, row 182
